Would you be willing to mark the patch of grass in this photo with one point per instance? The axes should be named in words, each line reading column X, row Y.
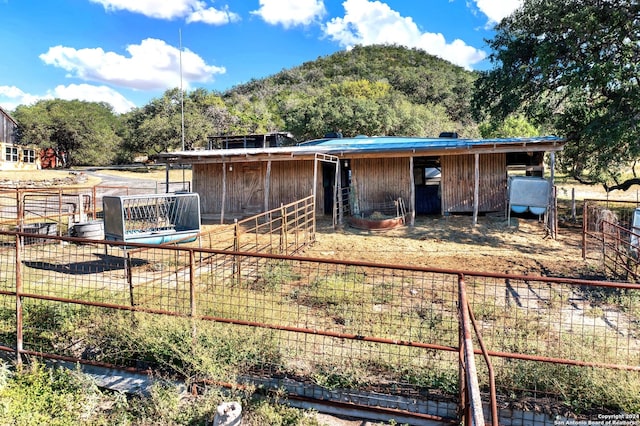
column 177, row 346
column 336, row 289
column 36, row 395
column 274, row 274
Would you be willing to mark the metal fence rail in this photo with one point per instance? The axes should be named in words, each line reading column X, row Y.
column 284, row 230
column 607, row 231
column 347, row 328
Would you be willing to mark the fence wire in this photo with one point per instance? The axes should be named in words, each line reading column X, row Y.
column 230, row 316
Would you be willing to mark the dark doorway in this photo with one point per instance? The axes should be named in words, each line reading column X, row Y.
column 328, row 182
column 426, row 175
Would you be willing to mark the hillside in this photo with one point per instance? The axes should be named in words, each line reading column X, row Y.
column 383, row 90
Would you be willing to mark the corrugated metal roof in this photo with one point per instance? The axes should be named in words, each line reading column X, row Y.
column 380, row 144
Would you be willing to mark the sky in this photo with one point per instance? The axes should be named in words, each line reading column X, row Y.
column 128, row 52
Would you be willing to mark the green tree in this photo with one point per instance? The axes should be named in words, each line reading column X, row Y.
column 572, row 65
column 82, row 133
column 511, row 127
column 157, row 127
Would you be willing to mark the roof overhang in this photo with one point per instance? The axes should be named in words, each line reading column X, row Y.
column 369, row 147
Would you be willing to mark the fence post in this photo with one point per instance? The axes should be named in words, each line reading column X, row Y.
column 236, row 247
column 128, row 277
column 285, row 242
column 473, row 414
column 192, row 295
column 19, row 334
column 584, row 230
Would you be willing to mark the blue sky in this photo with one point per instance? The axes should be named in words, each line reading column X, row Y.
column 126, row 52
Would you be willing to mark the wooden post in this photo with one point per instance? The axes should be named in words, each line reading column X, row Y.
column 573, row 205
column 476, row 189
column 412, row 191
column 552, row 198
column 267, row 185
column 224, row 192
column 166, row 178
column 336, row 195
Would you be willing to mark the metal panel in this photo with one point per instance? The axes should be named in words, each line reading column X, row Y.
column 528, row 192
column 153, row 218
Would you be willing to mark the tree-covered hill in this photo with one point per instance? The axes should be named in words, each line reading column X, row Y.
column 394, row 90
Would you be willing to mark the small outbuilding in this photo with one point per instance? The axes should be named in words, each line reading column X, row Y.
column 444, row 175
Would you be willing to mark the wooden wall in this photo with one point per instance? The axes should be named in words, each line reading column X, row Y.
column 246, row 186
column 7, row 128
column 374, row 180
column 458, row 183
column 377, row 180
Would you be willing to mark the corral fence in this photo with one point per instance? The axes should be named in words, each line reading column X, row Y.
column 54, row 210
column 393, row 339
column 283, row 230
column 608, row 232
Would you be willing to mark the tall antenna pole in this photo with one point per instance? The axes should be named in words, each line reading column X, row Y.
column 181, row 91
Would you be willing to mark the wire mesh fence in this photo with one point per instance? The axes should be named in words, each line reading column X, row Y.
column 609, row 234
column 394, row 331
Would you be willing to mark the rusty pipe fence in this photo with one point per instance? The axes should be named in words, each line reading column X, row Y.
column 608, row 234
column 55, row 209
column 386, row 337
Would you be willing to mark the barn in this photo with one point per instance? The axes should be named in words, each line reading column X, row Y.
column 446, row 175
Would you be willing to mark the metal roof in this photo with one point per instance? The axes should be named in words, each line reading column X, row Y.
column 367, row 146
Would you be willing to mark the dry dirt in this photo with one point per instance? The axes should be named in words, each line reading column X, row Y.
column 453, row 242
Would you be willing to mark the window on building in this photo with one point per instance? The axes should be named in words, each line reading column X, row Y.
column 11, row 153
column 29, row 155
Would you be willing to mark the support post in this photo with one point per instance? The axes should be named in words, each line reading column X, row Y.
column 267, row 186
column 474, row 415
column 476, row 188
column 552, row 197
column 224, row 192
column 412, row 190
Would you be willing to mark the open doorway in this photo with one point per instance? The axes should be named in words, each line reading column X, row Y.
column 427, row 179
column 329, row 181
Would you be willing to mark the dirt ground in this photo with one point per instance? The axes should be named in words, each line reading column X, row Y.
column 453, row 242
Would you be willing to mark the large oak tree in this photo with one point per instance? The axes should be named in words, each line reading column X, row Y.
column 572, row 66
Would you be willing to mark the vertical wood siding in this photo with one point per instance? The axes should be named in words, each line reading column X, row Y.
column 7, row 128
column 377, row 180
column 290, row 181
column 458, row 183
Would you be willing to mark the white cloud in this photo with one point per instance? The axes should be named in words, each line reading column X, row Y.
column 213, row 16
column 496, row 10
column 11, row 96
column 373, row 22
column 290, row 13
column 151, row 65
column 90, row 93
column 191, row 10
